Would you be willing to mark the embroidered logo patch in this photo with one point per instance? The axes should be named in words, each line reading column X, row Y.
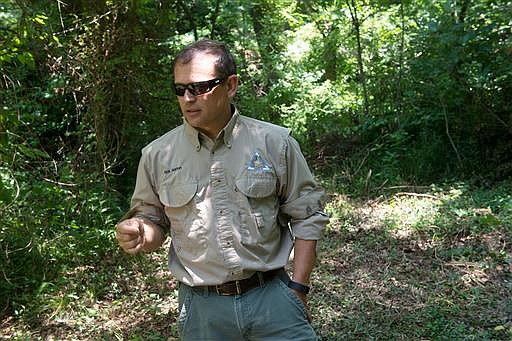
column 257, row 163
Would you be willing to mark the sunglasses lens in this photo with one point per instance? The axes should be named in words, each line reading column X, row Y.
column 197, row 88
column 200, row 88
column 179, row 89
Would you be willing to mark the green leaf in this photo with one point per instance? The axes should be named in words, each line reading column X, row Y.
column 489, row 220
column 40, row 19
column 92, row 312
column 27, row 58
column 5, row 194
column 33, row 153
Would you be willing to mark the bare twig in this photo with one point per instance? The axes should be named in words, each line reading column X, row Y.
column 17, row 192
column 78, row 22
column 447, row 129
column 60, row 183
column 59, row 2
column 406, row 186
column 5, row 277
column 7, row 252
column 416, row 195
column 361, row 164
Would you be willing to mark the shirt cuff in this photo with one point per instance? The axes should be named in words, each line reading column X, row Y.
column 310, row 228
column 151, row 213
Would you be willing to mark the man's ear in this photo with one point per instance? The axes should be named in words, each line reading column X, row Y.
column 232, row 82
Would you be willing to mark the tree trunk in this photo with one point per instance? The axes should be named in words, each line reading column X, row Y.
column 352, row 5
column 213, row 19
column 266, row 44
column 399, row 90
column 330, row 54
column 190, row 17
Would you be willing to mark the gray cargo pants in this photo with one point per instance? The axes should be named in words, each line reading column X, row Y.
column 269, row 312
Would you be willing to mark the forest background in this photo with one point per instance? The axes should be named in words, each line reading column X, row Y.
column 398, row 105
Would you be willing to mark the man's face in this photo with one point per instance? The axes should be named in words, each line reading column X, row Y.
column 210, row 111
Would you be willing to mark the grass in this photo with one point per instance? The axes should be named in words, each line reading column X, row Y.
column 418, row 266
column 435, row 265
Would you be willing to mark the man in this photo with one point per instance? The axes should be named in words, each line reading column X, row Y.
column 236, row 195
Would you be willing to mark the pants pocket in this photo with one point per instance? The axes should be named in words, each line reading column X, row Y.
column 296, row 301
column 184, row 304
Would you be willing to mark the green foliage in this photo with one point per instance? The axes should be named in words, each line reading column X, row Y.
column 48, row 229
column 454, row 211
column 380, row 95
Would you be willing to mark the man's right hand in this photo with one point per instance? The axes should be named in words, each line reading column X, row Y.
column 130, row 235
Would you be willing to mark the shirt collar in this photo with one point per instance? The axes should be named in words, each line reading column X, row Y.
column 230, row 127
column 192, row 135
column 226, row 133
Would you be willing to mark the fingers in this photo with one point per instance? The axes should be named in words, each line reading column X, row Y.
column 308, row 314
column 131, row 247
column 129, row 226
column 301, row 295
column 130, row 235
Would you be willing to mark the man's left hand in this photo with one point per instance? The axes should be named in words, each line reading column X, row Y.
column 304, row 298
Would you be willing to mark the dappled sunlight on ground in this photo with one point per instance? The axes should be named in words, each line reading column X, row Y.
column 403, row 267
column 386, row 273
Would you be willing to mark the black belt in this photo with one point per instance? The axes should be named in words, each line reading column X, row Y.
column 241, row 286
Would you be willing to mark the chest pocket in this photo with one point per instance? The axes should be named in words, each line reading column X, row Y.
column 259, row 208
column 188, row 235
column 176, row 199
column 177, row 195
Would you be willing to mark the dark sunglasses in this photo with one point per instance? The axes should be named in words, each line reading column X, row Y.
column 197, row 88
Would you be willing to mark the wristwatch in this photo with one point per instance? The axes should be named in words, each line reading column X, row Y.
column 298, row 286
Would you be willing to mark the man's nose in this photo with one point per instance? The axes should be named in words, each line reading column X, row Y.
column 189, row 97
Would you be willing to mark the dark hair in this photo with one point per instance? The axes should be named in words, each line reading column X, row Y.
column 225, row 65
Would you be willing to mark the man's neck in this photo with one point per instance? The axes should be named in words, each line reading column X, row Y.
column 216, row 132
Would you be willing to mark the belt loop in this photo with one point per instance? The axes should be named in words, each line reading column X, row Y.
column 260, row 278
column 238, row 288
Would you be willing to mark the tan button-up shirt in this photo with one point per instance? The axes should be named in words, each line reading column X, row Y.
column 232, row 205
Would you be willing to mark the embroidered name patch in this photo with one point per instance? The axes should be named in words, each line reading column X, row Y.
column 167, row 171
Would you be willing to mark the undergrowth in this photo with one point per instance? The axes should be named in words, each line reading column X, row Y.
column 429, row 264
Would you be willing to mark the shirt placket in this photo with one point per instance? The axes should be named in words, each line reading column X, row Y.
column 223, row 220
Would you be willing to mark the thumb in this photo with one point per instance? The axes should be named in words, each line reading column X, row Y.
column 129, row 226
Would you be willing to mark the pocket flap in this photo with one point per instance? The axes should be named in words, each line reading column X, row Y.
column 257, row 186
column 178, row 195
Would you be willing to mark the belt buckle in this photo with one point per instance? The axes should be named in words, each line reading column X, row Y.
column 221, row 293
column 218, row 291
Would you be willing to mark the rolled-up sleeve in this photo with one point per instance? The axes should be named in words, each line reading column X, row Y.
column 302, row 199
column 145, row 202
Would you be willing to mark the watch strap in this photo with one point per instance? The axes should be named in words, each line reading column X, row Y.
column 298, row 286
